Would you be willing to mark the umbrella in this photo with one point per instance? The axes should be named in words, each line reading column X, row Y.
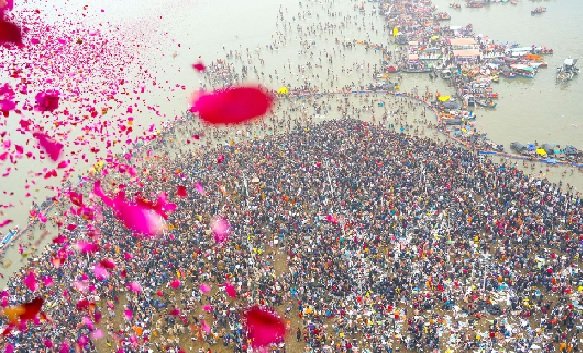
column 444, row 98
column 283, row 90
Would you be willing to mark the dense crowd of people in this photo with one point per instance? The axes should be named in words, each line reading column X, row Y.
column 364, row 239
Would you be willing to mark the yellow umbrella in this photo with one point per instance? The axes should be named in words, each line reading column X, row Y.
column 444, row 98
column 283, row 90
column 395, row 31
column 541, row 152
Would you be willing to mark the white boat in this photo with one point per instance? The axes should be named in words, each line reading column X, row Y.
column 568, row 71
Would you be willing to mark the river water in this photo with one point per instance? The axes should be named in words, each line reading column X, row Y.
column 533, row 109
column 528, row 110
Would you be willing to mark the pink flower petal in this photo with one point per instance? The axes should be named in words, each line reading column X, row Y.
column 48, row 281
column 52, row 148
column 220, row 228
column 135, row 287
column 230, row 290
column 199, row 188
column 100, row 273
column 199, row 66
column 128, row 314
column 263, row 327
column 97, row 335
column 205, row 327
column 233, row 105
column 107, row 263
column 9, row 32
column 143, row 217
column 64, row 348
column 207, row 308
column 181, row 191
column 47, row 101
column 30, row 281
column 175, row 284
column 204, row 288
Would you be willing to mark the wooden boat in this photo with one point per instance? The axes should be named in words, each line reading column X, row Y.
column 475, row 5
column 538, row 10
column 488, row 104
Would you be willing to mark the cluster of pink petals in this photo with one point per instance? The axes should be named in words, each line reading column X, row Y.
column 140, row 217
column 263, row 327
column 233, row 105
column 220, row 228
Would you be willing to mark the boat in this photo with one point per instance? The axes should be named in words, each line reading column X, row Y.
column 488, row 103
column 475, row 5
column 538, row 10
column 568, row 71
column 9, row 236
column 456, row 6
column 442, row 16
column 523, row 70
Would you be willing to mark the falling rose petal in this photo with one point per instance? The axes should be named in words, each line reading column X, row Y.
column 87, row 247
column 30, row 281
column 233, row 105
column 205, row 327
column 6, row 5
column 127, row 256
column 97, row 335
column 181, row 191
column 207, row 308
column 48, row 343
column 199, row 66
column 51, row 147
column 83, row 340
column 331, row 219
column 175, row 284
column 143, row 217
column 199, row 188
column 263, row 327
column 47, row 101
column 204, row 288
column 220, row 228
column 9, row 348
column 135, row 287
column 174, row 312
column 142, row 220
column 64, row 348
column 230, row 290
column 107, row 263
column 5, row 223
column 128, row 314
column 101, row 273
column 9, row 32
column 60, row 239
column 24, row 312
column 48, row 281
column 220, row 159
